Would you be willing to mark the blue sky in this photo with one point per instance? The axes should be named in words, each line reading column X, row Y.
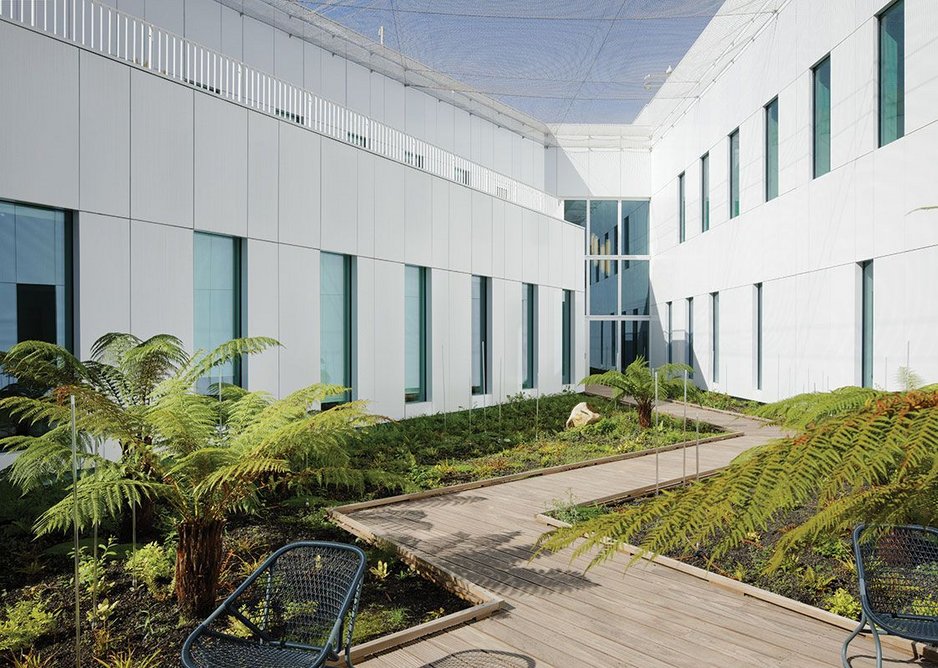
column 572, row 61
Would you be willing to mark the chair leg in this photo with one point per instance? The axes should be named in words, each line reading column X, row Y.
column 856, row 632
column 879, row 647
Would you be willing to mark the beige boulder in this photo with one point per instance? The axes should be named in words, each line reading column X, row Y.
column 582, row 415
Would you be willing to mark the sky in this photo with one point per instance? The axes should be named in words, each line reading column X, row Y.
column 560, row 61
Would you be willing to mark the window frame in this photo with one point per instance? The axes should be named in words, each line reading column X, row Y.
column 885, row 13
column 771, row 152
column 734, row 176
column 484, row 324
column 348, row 311
column 422, row 392
column 705, row 192
column 815, row 136
column 529, row 336
column 681, row 208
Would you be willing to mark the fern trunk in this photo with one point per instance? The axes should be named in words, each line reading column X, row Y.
column 198, row 562
column 644, row 413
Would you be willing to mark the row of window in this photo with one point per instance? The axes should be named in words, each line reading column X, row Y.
column 891, row 110
column 217, row 285
column 865, row 270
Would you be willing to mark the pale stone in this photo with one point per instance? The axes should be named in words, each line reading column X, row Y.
column 582, row 415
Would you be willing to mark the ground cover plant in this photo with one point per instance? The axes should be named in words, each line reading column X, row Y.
column 855, row 455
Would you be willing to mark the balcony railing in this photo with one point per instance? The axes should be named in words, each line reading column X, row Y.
column 114, row 33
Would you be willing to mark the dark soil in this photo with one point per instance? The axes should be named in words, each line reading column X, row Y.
column 150, row 625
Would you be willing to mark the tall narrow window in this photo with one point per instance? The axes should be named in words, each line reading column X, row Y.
column 758, row 336
column 689, row 348
column 35, row 277
column 415, row 333
column 705, row 192
column 335, row 323
column 734, row 173
column 866, row 327
column 715, row 334
column 771, row 150
column 681, row 210
column 217, row 301
column 892, row 73
column 670, row 333
column 480, row 334
column 822, row 117
column 566, row 346
column 528, row 336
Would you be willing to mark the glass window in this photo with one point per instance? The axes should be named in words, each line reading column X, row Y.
column 715, row 334
column 734, row 173
column 566, row 345
column 35, row 277
column 634, row 227
column 689, row 348
column 758, row 336
column 670, row 339
column 217, row 300
column 528, row 335
column 866, row 363
column 335, row 323
column 604, row 287
column 771, row 150
column 603, row 345
column 822, row 117
column 705, row 192
column 634, row 341
column 415, row 333
column 635, row 287
column 480, row 333
column 574, row 211
column 892, row 73
column 604, row 232
column 681, row 210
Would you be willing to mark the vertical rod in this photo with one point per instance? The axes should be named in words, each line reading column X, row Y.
column 656, row 397
column 75, row 531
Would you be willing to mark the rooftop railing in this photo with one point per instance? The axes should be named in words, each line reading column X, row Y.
column 109, row 31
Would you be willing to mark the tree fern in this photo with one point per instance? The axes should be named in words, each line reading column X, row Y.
column 638, row 383
column 864, row 456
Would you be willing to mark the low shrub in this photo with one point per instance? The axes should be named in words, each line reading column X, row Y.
column 24, row 623
column 153, row 565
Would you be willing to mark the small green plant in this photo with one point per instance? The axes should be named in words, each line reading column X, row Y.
column 23, row 623
column 842, row 602
column 380, row 571
column 569, row 510
column 92, row 571
column 30, row 659
column 740, row 572
column 127, row 659
column 816, row 579
column 377, row 621
column 152, row 564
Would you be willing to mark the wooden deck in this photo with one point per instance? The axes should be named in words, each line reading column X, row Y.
column 558, row 616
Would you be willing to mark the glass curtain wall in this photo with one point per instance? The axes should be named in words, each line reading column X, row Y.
column 892, row 73
column 617, row 268
column 335, row 323
column 35, row 277
column 217, row 301
column 415, row 333
column 822, row 117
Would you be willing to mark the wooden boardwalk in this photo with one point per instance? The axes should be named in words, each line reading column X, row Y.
column 560, row 617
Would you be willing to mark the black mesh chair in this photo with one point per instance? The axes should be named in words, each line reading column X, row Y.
column 297, row 609
column 898, row 571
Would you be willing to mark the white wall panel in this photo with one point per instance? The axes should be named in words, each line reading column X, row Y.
column 221, row 167
column 102, row 293
column 457, row 345
column 104, row 171
column 481, row 234
column 333, row 77
column 231, row 33
column 161, row 281
column 203, row 23
column 359, row 88
column 161, row 134
column 365, row 367
column 299, row 186
column 339, row 197
column 389, row 339
column 460, row 229
column 258, row 44
column 39, row 80
column 168, row 14
column 439, row 220
column 418, row 207
column 263, row 146
column 298, row 318
column 288, row 58
column 389, row 210
column 366, row 203
column 262, row 312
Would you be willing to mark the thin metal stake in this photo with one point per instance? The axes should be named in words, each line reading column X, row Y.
column 656, row 397
column 697, row 447
column 75, row 530
column 684, row 427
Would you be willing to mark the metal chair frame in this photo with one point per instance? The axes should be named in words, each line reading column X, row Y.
column 341, row 630
column 873, row 617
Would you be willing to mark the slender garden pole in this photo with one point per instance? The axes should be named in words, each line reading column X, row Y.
column 656, row 398
column 657, row 477
column 684, row 436
column 94, row 551
column 75, row 530
column 443, row 367
column 697, row 447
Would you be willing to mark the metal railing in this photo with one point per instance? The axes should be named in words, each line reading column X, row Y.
column 109, row 31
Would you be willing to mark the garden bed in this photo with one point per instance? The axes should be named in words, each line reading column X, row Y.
column 395, row 597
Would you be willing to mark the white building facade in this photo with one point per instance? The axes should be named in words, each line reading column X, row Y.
column 218, row 168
